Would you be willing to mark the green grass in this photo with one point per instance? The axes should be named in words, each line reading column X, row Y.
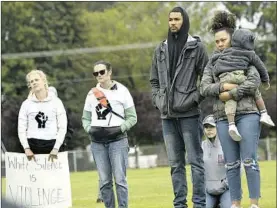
column 151, row 188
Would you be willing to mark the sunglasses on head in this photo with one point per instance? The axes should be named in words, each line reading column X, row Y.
column 101, row 72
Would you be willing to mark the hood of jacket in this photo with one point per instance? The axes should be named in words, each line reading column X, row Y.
column 243, row 38
column 51, row 96
column 191, row 41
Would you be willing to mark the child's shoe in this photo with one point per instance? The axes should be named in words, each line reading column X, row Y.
column 265, row 119
column 234, row 133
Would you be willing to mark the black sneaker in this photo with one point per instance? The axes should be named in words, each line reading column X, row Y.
column 99, row 200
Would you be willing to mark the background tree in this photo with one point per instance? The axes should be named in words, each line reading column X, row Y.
column 41, row 26
column 48, row 26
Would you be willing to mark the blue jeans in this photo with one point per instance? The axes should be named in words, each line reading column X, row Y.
column 245, row 150
column 224, row 200
column 181, row 135
column 112, row 160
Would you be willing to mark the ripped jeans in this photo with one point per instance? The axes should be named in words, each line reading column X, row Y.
column 244, row 151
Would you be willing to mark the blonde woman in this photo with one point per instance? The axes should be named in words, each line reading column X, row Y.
column 42, row 119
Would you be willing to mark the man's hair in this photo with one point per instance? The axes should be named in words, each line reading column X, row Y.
column 223, row 20
column 177, row 9
column 107, row 64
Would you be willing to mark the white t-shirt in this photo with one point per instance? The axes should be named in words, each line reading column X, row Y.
column 42, row 120
column 119, row 99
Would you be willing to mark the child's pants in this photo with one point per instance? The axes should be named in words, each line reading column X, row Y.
column 234, row 77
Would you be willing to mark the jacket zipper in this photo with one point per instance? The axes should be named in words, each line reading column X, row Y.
column 171, row 86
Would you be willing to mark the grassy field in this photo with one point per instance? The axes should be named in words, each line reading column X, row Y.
column 151, row 188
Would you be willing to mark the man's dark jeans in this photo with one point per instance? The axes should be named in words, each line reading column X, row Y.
column 183, row 135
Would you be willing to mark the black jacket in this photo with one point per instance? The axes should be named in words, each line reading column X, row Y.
column 181, row 97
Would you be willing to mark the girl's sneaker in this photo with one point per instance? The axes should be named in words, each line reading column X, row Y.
column 234, row 206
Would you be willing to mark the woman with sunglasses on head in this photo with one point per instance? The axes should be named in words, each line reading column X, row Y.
column 247, row 118
column 108, row 114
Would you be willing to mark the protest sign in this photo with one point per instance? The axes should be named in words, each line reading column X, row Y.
column 40, row 183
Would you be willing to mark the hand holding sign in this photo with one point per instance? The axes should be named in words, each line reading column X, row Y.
column 30, row 154
column 53, row 155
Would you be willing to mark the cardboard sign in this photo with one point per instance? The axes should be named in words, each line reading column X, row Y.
column 40, row 183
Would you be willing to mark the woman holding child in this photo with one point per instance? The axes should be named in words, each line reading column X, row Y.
column 247, row 116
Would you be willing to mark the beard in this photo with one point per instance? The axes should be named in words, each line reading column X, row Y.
column 174, row 31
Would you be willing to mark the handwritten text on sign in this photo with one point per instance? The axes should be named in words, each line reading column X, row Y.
column 40, row 184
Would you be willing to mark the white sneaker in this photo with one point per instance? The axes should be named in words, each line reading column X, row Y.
column 254, row 206
column 266, row 119
column 234, row 133
column 234, row 206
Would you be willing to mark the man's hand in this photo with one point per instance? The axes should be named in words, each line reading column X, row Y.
column 229, row 86
column 30, row 154
column 225, row 96
column 53, row 155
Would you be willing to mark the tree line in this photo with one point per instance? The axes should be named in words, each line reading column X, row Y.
column 46, row 26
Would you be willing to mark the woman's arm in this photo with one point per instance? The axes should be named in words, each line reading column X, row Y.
column 22, row 126
column 61, row 123
column 129, row 112
column 86, row 120
column 229, row 91
column 86, row 117
column 130, row 119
